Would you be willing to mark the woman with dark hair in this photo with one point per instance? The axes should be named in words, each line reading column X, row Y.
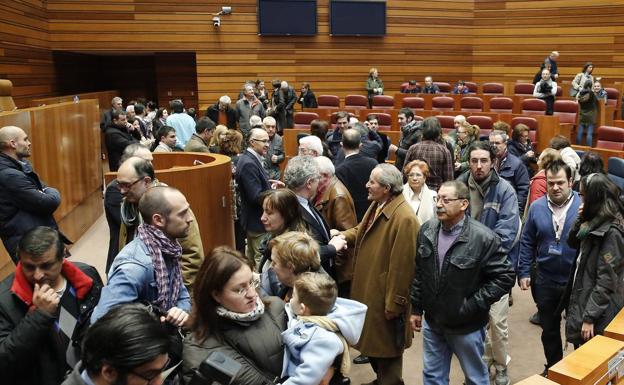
column 160, row 119
column 595, row 292
column 588, row 109
column 591, row 163
column 319, row 129
column 229, row 317
column 520, row 145
column 581, row 78
column 261, row 93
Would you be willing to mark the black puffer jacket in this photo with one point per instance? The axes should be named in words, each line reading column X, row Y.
column 475, row 274
column 25, row 202
column 256, row 345
column 117, row 139
column 596, row 295
column 29, row 353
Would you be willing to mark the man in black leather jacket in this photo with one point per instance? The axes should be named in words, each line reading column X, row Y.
column 460, row 272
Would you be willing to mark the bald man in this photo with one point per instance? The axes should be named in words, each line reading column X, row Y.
column 25, row 201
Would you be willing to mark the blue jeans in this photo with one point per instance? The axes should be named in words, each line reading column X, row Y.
column 579, row 134
column 437, row 352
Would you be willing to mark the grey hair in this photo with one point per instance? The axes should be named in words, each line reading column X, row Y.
column 500, row 133
column 255, row 121
column 116, row 99
column 299, row 170
column 361, row 128
column 459, row 118
column 325, row 165
column 390, row 176
column 313, row 143
column 225, row 99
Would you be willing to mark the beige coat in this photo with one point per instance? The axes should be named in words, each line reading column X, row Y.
column 337, row 208
column 196, row 144
column 383, row 272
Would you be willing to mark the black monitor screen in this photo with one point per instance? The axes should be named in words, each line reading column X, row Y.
column 357, row 17
column 287, row 17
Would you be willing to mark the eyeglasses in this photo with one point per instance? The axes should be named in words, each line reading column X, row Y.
column 446, row 200
column 162, row 373
column 261, row 140
column 254, row 283
column 126, row 186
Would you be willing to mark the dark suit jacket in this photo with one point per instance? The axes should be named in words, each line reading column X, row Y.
column 383, row 154
column 321, row 235
column 252, row 181
column 309, row 100
column 213, row 113
column 354, row 172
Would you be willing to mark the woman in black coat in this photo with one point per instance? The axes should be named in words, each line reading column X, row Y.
column 596, row 286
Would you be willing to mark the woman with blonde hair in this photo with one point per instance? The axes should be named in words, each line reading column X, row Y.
column 466, row 134
column 215, row 141
column 374, row 85
column 537, row 187
column 416, row 193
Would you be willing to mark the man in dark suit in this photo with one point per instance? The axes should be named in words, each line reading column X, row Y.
column 107, row 116
column 355, row 170
column 302, row 176
column 373, row 124
column 253, row 180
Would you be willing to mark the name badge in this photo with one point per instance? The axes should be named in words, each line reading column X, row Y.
column 555, row 249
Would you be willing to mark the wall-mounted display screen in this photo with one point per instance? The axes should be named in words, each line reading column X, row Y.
column 287, row 17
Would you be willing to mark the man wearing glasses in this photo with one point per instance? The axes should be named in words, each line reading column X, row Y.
column 147, row 270
column 253, row 180
column 126, row 346
column 134, row 178
column 494, row 203
column 460, row 271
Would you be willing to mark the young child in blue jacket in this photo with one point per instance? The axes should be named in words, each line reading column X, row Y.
column 320, row 328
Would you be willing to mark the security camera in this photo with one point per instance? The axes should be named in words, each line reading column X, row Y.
column 226, row 10
column 216, row 21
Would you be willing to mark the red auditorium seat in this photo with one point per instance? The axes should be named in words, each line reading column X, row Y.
column 446, row 122
column 501, row 105
column 383, row 101
column 406, row 84
column 442, row 103
column 493, row 88
column 384, row 120
column 444, row 87
column 559, row 91
column 611, row 138
column 418, row 118
column 533, row 107
column 356, row 101
column 566, row 110
column 485, row 124
column 472, row 87
column 524, row 89
column 328, row 101
column 303, row 119
column 471, row 104
column 529, row 122
column 414, row 102
column 613, row 96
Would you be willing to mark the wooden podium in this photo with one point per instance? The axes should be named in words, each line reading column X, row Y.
column 536, row 379
column 204, row 179
column 594, row 363
column 615, row 329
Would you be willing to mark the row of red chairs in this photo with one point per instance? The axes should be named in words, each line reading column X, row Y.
column 386, row 101
column 567, row 110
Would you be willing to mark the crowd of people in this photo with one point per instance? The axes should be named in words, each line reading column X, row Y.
column 344, row 248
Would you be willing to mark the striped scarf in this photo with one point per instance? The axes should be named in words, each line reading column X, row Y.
column 161, row 247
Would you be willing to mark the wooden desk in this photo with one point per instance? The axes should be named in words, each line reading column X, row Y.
column 604, row 153
column 615, row 329
column 103, row 97
column 588, row 364
column 206, row 187
column 536, row 379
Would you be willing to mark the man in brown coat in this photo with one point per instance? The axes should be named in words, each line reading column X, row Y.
column 385, row 247
column 335, row 204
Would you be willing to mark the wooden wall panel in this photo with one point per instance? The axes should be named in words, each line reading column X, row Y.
column 512, row 38
column 423, row 37
column 25, row 57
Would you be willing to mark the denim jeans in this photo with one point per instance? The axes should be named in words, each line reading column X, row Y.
column 579, row 134
column 438, row 349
